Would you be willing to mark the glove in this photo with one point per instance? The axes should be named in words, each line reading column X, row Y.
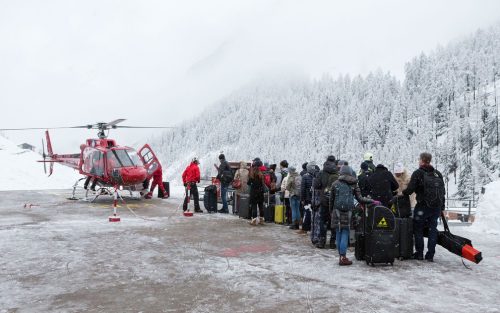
column 377, row 203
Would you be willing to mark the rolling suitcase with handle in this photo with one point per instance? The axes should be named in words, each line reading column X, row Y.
column 379, row 235
column 243, row 206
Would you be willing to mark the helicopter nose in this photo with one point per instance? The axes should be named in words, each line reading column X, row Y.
column 133, row 175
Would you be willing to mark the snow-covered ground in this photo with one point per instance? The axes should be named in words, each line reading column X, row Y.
column 63, row 256
column 487, row 219
column 20, row 170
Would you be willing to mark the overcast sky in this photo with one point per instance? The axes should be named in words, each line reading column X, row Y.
column 160, row 62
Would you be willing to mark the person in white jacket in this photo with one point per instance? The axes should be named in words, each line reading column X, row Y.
column 285, row 193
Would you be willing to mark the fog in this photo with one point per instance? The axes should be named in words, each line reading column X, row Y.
column 65, row 63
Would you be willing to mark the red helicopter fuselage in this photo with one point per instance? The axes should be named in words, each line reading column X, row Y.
column 104, row 160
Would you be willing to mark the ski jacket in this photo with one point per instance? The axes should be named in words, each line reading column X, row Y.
column 191, row 174
column 383, row 186
column 225, row 174
column 416, row 185
column 343, row 219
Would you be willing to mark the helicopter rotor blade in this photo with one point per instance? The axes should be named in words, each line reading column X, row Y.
column 35, row 128
column 113, row 123
column 166, row 127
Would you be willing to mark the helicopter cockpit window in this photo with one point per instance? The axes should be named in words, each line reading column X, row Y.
column 134, row 157
column 96, row 166
column 122, row 158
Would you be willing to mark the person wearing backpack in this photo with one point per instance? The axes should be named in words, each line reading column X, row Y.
column 428, row 184
column 293, row 188
column 383, row 185
column 343, row 192
column 323, row 184
column 225, row 176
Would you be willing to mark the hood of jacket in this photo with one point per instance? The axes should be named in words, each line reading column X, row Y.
column 330, row 167
column 348, row 179
column 427, row 168
column 380, row 168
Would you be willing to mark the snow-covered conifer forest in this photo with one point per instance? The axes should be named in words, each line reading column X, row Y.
column 447, row 104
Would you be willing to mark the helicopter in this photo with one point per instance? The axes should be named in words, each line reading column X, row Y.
column 102, row 160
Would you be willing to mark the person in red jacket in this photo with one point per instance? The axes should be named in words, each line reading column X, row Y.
column 190, row 178
column 157, row 180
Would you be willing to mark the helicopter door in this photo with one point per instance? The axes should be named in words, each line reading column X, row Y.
column 149, row 159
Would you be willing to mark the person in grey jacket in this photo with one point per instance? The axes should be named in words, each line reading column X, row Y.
column 225, row 176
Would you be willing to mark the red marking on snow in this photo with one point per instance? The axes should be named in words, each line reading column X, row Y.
column 236, row 252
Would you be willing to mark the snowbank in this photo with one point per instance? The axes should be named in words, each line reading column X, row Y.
column 20, row 170
column 488, row 211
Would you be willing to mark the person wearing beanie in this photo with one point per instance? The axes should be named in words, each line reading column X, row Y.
column 293, row 188
column 323, row 184
column 341, row 205
column 304, row 169
column 225, row 176
column 383, row 186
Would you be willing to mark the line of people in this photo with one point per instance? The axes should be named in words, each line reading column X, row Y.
column 320, row 199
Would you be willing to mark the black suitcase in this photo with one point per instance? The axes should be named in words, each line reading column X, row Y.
column 243, row 206
column 379, row 236
column 166, row 185
column 359, row 246
column 401, row 206
column 210, row 199
column 404, row 238
column 269, row 209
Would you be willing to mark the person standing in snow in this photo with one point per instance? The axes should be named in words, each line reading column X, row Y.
column 306, row 195
column 293, row 188
column 304, row 169
column 403, row 178
column 190, row 177
column 285, row 194
column 242, row 175
column 383, row 186
column 428, row 184
column 343, row 192
column 257, row 190
column 323, row 184
column 225, row 176
column 363, row 184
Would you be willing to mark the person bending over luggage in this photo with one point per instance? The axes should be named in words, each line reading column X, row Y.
column 343, row 192
column 428, row 184
column 323, row 183
column 225, row 176
column 257, row 190
column 190, row 177
column 383, row 186
column 157, row 180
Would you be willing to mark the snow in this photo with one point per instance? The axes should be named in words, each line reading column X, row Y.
column 21, row 171
column 487, row 219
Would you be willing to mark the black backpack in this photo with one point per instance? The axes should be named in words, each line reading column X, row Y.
column 434, row 191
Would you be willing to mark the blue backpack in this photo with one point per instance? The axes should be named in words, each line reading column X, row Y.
column 344, row 199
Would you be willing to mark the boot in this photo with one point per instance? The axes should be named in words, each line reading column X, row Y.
column 344, row 261
column 149, row 195
column 320, row 245
column 261, row 221
column 294, row 226
column 253, row 222
column 418, row 256
column 302, row 232
column 198, row 210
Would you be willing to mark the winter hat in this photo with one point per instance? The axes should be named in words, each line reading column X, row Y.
column 311, row 166
column 330, row 158
column 399, row 168
column 222, row 156
column 342, row 162
column 346, row 170
column 304, row 166
column 257, row 163
column 364, row 166
column 292, row 169
column 284, row 163
column 273, row 167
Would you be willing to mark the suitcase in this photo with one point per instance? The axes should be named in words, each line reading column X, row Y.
column 403, row 246
column 243, row 206
column 379, row 235
column 279, row 214
column 210, row 199
column 315, row 226
column 307, row 221
column 166, row 185
column 269, row 208
column 359, row 246
column 401, row 206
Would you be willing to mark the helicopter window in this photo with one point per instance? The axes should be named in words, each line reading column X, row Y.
column 134, row 157
column 97, row 163
column 121, row 158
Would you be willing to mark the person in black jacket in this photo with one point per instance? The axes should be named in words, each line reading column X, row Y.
column 323, row 183
column 363, row 184
column 428, row 184
column 225, row 175
column 306, row 193
column 383, row 185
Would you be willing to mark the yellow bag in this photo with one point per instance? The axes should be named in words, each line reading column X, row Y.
column 279, row 214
